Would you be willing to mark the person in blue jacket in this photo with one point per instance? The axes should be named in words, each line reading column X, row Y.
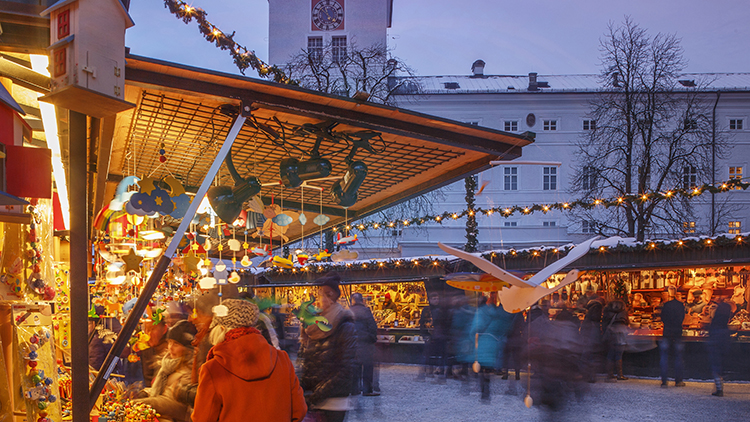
column 490, row 329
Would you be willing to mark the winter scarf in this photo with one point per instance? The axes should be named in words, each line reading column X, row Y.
column 334, row 314
column 168, row 366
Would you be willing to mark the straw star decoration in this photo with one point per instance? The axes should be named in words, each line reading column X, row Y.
column 132, row 261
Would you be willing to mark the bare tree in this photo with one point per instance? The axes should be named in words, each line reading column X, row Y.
column 652, row 131
column 348, row 70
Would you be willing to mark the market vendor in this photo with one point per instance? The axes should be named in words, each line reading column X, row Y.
column 389, row 304
column 696, row 302
column 151, row 357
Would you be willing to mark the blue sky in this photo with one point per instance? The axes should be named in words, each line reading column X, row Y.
column 440, row 37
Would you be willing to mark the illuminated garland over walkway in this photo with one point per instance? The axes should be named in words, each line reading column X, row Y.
column 588, row 204
column 243, row 57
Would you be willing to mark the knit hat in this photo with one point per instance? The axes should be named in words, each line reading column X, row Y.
column 183, row 332
column 332, row 280
column 240, row 313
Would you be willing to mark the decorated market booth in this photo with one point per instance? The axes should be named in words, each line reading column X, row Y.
column 174, row 177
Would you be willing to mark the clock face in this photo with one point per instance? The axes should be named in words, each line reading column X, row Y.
column 328, row 15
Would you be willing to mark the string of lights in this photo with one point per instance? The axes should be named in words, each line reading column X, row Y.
column 508, row 211
column 243, row 58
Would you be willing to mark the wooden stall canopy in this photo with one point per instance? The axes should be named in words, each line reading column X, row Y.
column 189, row 110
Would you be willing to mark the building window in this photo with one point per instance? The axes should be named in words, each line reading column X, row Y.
column 550, row 178
column 588, row 226
column 735, row 173
column 511, row 178
column 63, row 24
column 688, row 227
column 736, row 124
column 550, row 125
column 589, row 124
column 59, row 62
column 589, row 178
column 689, row 177
column 735, row 227
column 510, row 224
column 315, row 48
column 338, row 49
column 511, row 125
column 549, row 223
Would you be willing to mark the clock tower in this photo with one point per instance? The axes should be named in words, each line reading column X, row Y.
column 296, row 25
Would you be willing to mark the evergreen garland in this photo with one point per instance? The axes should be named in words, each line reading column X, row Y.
column 471, row 219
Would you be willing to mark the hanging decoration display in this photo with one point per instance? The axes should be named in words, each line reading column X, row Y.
column 243, row 58
column 39, row 373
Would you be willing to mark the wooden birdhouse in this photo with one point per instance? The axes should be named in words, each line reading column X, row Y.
column 87, row 56
column 24, row 171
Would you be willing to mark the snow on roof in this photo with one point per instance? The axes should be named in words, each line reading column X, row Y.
column 464, row 84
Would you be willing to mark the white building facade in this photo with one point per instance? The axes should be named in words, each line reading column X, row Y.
column 554, row 107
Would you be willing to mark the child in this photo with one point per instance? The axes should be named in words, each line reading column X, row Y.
column 176, row 368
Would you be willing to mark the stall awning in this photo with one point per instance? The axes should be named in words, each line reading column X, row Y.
column 187, row 112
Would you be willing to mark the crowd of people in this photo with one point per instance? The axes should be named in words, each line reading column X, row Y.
column 194, row 368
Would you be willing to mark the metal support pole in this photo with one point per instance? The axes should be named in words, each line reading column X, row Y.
column 79, row 292
column 160, row 268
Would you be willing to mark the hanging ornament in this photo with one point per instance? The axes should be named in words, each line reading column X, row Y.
column 234, row 245
column 321, row 220
column 234, row 277
column 246, row 261
column 191, row 261
column 303, row 219
column 132, row 261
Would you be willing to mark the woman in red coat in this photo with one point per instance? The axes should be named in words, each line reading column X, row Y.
column 245, row 378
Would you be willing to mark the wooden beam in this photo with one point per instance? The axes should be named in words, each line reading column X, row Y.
column 24, row 76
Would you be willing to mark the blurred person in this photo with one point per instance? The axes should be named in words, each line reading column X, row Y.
column 263, row 323
column 174, row 373
column 615, row 319
column 514, row 349
column 389, row 303
column 462, row 345
column 279, row 318
column 591, row 333
column 100, row 341
column 328, row 358
column 718, row 343
column 555, row 348
column 489, row 329
column 672, row 316
column 367, row 336
column 244, row 377
column 438, row 317
column 557, row 302
column 151, row 358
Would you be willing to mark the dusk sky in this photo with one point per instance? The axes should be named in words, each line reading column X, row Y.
column 439, row 37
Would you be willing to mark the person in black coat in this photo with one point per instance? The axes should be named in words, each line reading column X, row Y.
column 327, row 358
column 367, row 336
column 615, row 323
column 718, row 343
column 672, row 316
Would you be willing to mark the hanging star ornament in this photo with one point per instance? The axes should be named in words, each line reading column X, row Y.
column 132, row 261
column 191, row 261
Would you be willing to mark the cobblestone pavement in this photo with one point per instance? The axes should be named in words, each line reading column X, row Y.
column 404, row 398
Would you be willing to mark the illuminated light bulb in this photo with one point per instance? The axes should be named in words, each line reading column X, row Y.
column 554, row 251
column 335, row 229
column 526, row 210
column 535, row 253
column 381, row 264
column 489, row 212
column 696, row 191
column 364, row 265
column 652, row 245
column 512, row 252
column 739, row 238
column 644, row 197
column 455, row 216
column 494, row 254
column 348, row 227
column 414, row 262
column 375, row 226
column 680, row 243
column 668, row 194
column 620, row 200
column 406, row 222
column 361, row 227
column 188, row 9
column 390, row 224
column 708, row 241
column 437, row 218
column 398, row 263
column 545, row 208
column 507, row 210
column 471, row 213
column 294, row 270
column 566, row 205
column 435, row 263
column 602, row 248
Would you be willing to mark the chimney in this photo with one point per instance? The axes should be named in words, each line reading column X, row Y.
column 477, row 68
column 533, row 86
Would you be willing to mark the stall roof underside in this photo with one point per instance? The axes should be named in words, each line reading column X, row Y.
column 188, row 112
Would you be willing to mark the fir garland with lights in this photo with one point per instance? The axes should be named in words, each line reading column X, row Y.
column 243, row 58
column 507, row 211
column 471, row 219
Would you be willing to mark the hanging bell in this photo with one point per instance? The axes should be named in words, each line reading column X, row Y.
column 293, row 172
column 344, row 191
